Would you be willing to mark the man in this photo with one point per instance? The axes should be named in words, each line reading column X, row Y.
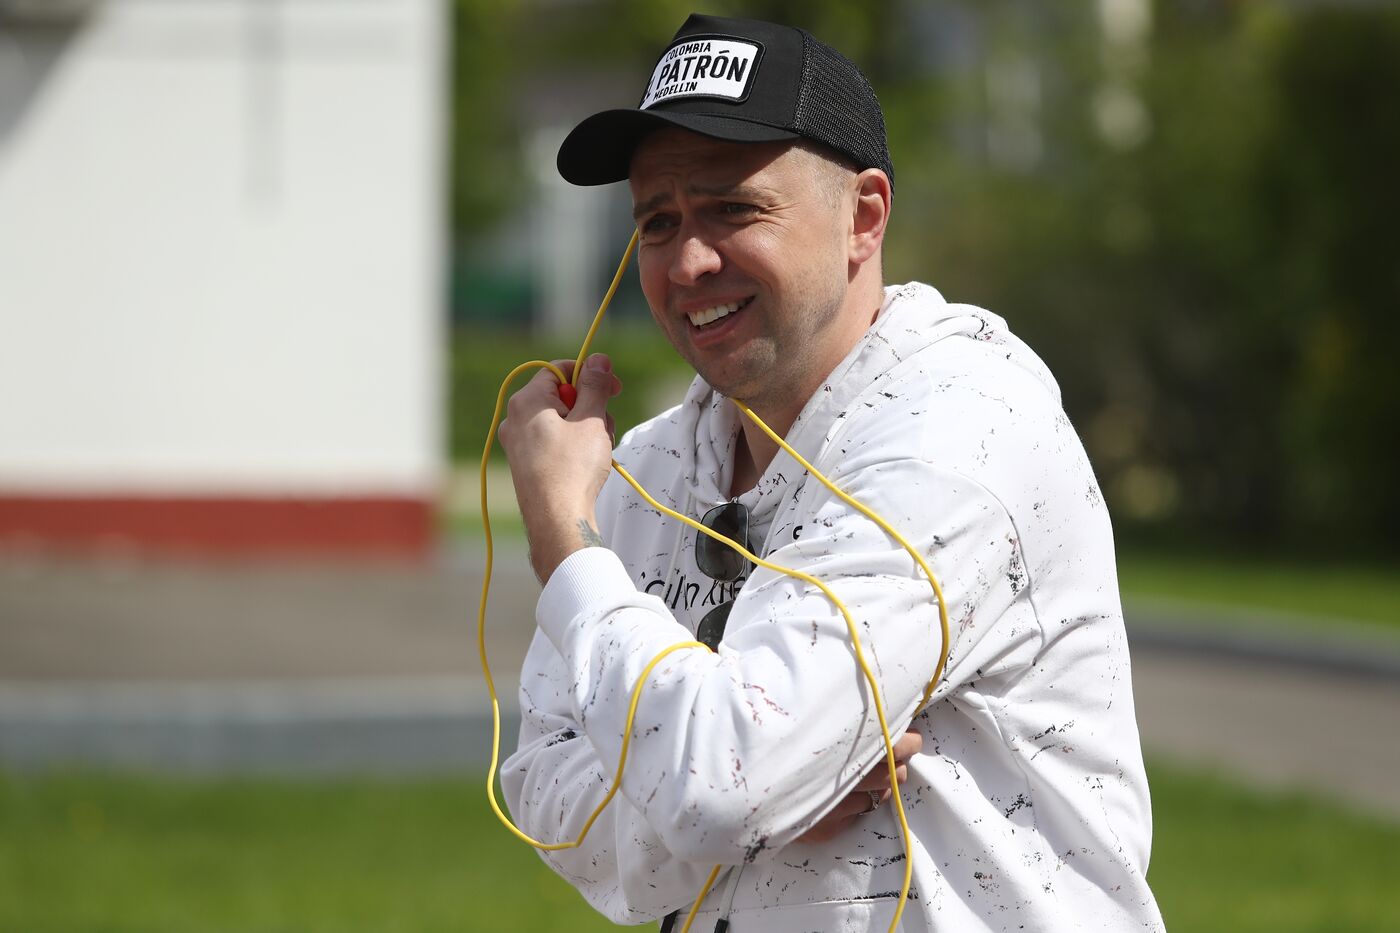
column 762, row 186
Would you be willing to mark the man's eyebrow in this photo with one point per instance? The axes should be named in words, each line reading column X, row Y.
column 650, row 204
column 712, row 191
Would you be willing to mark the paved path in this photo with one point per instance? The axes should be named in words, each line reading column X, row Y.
column 1279, row 726
column 310, row 669
column 117, row 620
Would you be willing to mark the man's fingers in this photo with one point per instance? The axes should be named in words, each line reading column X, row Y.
column 542, row 387
column 851, row 806
column 854, row 805
column 596, row 384
column 856, row 802
column 879, row 779
column 862, row 802
column 908, row 745
column 588, row 394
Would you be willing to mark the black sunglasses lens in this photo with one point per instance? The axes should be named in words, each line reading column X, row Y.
column 715, row 558
column 711, row 628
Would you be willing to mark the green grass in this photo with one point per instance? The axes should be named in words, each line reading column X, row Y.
column 1225, row 858
column 101, row 853
column 80, row 853
column 1290, row 590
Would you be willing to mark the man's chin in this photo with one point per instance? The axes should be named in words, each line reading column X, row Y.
column 738, row 390
column 736, row 376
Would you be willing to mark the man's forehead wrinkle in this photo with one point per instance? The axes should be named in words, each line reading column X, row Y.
column 730, row 189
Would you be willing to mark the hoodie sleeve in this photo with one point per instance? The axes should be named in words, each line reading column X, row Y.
column 742, row 750
column 553, row 783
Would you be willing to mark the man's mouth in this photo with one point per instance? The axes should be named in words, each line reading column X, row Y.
column 708, row 316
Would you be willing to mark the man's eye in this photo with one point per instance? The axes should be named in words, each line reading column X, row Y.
column 737, row 208
column 656, row 223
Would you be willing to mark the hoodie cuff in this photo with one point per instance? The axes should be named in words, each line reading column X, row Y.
column 585, row 578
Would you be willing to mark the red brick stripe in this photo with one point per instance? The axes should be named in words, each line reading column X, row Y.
column 393, row 526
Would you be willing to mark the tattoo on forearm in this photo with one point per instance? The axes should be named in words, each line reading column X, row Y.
column 590, row 536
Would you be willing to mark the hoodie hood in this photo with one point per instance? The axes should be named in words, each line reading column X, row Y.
column 912, row 317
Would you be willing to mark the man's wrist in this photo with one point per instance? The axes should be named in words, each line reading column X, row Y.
column 589, row 535
column 554, row 539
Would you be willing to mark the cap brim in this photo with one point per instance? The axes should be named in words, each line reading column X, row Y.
column 599, row 150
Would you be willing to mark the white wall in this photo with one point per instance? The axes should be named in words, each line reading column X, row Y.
column 221, row 242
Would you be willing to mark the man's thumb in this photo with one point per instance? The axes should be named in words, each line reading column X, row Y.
column 595, row 386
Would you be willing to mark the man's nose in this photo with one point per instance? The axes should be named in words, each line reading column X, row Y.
column 695, row 258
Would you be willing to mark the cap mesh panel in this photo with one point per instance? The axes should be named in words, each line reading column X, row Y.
column 838, row 107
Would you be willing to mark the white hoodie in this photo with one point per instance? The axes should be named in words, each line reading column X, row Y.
column 1028, row 804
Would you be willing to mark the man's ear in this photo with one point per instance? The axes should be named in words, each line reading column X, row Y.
column 870, row 214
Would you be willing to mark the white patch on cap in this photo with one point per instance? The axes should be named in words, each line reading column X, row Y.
column 703, row 66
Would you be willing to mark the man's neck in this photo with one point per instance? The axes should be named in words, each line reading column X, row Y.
column 754, row 451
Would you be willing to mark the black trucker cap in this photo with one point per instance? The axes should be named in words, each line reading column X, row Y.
column 741, row 80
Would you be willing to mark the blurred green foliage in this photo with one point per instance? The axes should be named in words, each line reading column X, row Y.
column 486, row 133
column 1211, row 281
column 653, row 376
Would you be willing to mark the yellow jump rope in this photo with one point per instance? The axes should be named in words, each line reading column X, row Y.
column 646, row 673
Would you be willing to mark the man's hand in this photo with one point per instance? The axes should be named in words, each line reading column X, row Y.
column 859, row 801
column 559, row 459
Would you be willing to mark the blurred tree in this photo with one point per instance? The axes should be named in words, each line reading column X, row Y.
column 1212, row 350
column 1327, row 201
column 503, row 48
column 1266, row 289
column 1213, row 296
column 486, row 167
column 1186, row 214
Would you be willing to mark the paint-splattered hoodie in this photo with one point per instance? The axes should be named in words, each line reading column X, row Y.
column 1028, row 805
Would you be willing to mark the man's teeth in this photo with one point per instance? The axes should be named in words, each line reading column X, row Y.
column 710, row 315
